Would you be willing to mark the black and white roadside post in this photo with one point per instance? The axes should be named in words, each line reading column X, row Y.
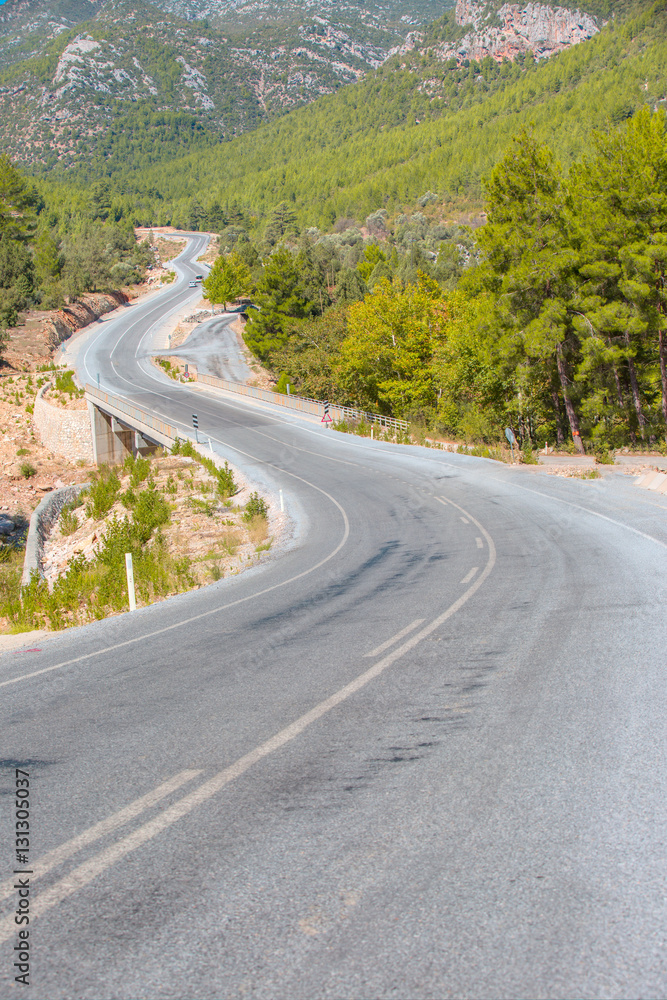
column 195, row 424
column 326, row 419
column 509, row 434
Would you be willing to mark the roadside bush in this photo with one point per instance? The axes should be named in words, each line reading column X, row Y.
column 65, row 383
column 255, row 507
column 150, row 511
column 103, row 493
column 226, row 484
column 27, row 470
column 69, row 522
column 139, row 469
column 603, row 456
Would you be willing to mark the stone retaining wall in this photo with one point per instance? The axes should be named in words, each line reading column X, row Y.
column 41, row 522
column 64, row 432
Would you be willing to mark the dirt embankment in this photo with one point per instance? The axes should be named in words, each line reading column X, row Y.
column 34, row 343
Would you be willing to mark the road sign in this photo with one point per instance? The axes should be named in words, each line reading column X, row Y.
column 327, row 418
column 509, row 434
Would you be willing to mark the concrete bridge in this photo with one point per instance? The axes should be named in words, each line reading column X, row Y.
column 120, row 428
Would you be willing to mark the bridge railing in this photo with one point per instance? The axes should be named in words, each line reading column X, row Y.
column 300, row 403
column 303, row 403
column 132, row 412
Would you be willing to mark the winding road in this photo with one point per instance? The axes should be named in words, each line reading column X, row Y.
column 418, row 754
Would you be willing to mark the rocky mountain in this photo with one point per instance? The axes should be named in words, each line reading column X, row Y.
column 477, row 30
column 72, row 72
column 105, row 80
column 533, row 27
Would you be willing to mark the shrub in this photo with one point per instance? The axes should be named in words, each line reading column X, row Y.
column 65, row 383
column 27, row 470
column 603, row 456
column 226, row 484
column 140, row 471
column 128, row 499
column 527, row 455
column 103, row 494
column 255, row 507
column 150, row 511
column 202, row 506
column 69, row 522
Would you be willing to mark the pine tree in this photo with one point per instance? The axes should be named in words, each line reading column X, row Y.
column 528, row 267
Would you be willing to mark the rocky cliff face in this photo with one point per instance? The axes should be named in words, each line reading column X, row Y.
column 514, row 28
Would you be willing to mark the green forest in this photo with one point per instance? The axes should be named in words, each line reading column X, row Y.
column 551, row 318
column 413, row 126
column 340, row 220
column 46, row 258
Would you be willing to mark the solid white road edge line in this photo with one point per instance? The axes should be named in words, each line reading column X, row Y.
column 89, row 870
column 203, row 614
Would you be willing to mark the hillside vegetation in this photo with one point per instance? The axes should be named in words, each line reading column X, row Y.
column 552, row 321
column 136, row 82
column 414, row 125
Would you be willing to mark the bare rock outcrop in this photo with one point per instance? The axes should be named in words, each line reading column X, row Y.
column 515, row 28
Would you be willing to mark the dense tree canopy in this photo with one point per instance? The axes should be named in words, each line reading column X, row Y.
column 558, row 324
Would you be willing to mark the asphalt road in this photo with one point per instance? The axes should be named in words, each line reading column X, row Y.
column 420, row 753
column 214, row 348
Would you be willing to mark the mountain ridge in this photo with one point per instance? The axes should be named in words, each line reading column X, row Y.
column 85, row 67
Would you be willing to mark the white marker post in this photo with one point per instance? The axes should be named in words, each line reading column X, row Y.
column 371, row 432
column 130, row 581
column 282, row 504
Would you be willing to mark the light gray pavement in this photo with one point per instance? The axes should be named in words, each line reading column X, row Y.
column 482, row 815
column 213, row 347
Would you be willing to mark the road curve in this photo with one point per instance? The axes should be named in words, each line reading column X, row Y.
column 419, row 754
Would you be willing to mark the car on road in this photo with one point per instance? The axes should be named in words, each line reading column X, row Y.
column 193, row 284
column 199, row 277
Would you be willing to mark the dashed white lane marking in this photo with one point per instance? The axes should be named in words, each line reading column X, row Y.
column 468, row 577
column 395, row 638
column 89, row 870
column 480, row 543
column 118, row 819
column 465, row 520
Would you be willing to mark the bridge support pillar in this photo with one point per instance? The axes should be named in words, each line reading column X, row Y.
column 113, row 441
